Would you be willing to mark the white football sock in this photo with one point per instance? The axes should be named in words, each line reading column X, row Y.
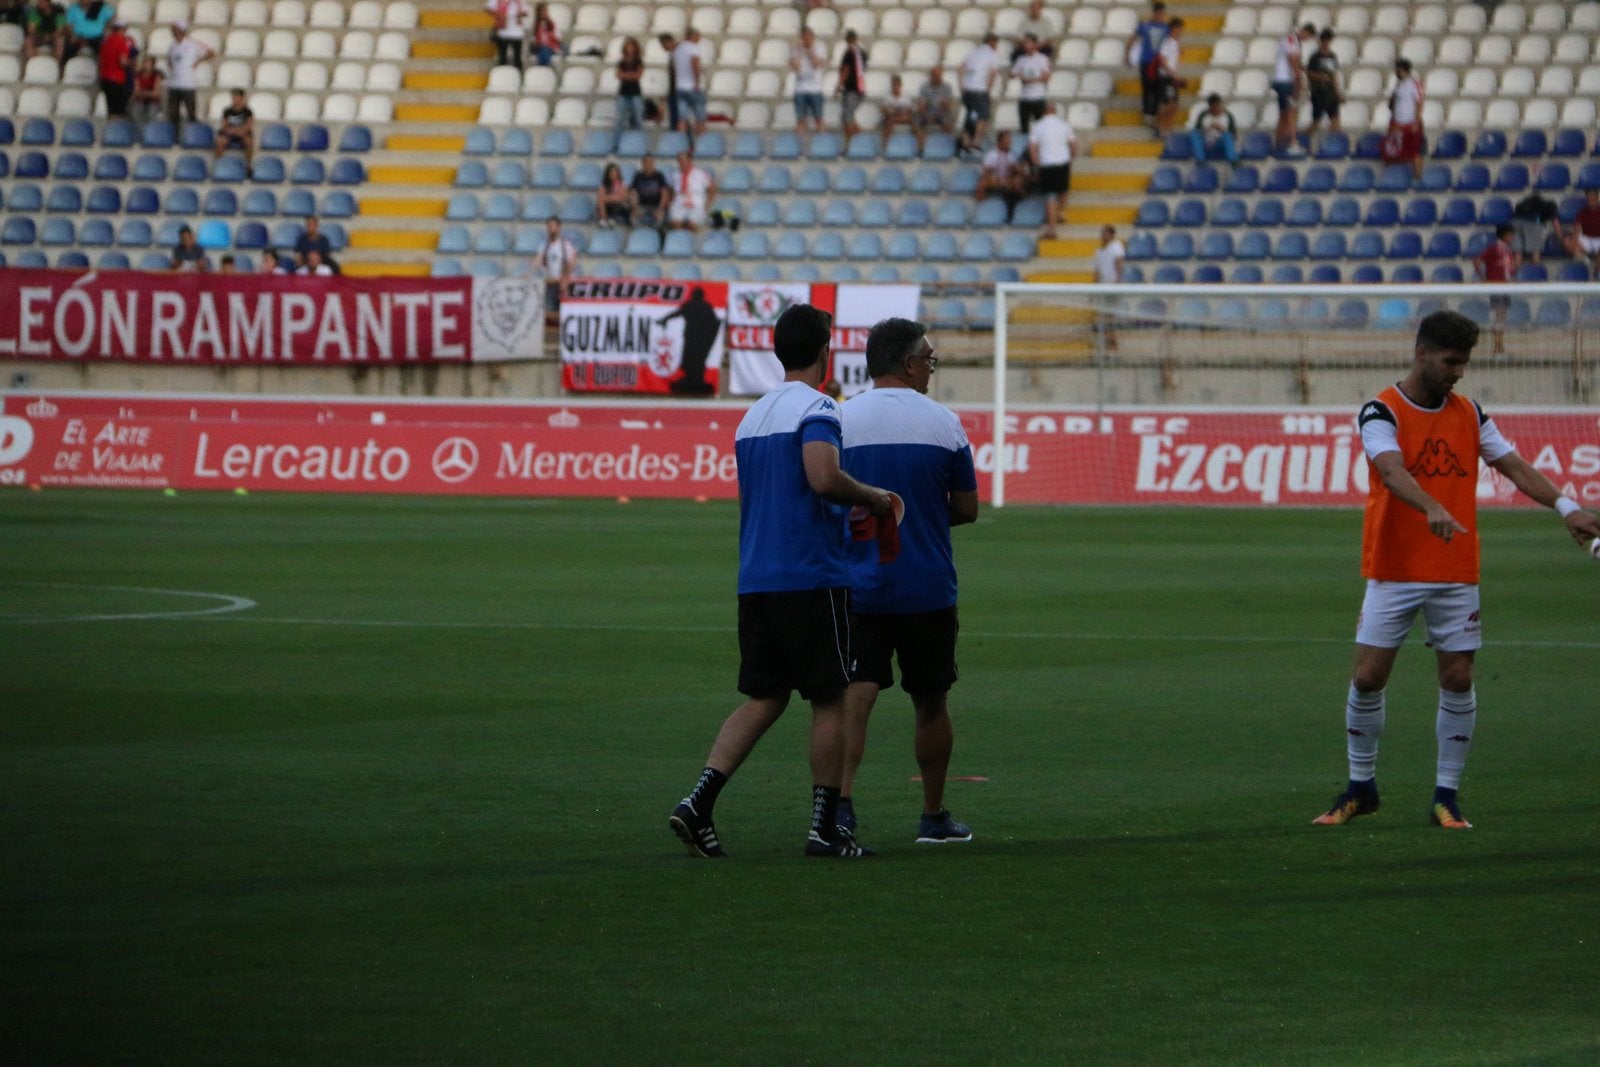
column 1363, row 726
column 1458, row 715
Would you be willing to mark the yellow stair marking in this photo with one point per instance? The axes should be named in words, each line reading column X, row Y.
column 429, row 207
column 1079, row 215
column 380, row 270
column 1061, row 277
column 1116, row 149
column 446, row 81
column 1112, row 117
column 390, row 240
column 455, row 20
column 1067, row 247
column 1197, row 55
column 391, row 175
column 467, row 113
column 422, row 142
column 1054, row 315
column 1110, row 183
column 1202, row 24
column 452, row 50
column 1128, row 87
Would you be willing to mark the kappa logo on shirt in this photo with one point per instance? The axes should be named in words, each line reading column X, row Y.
column 827, row 405
column 1437, row 460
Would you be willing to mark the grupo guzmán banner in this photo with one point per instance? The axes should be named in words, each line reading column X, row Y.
column 224, row 319
column 1255, row 457
column 633, row 335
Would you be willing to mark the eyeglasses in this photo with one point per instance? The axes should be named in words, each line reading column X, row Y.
column 931, row 361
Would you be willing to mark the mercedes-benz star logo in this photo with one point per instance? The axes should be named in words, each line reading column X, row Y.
column 455, row 459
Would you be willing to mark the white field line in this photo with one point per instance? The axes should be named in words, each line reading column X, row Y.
column 229, row 603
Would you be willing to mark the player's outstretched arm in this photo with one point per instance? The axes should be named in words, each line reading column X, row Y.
column 1582, row 525
column 829, row 481
column 1392, row 468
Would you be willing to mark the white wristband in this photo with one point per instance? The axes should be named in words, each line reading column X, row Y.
column 1565, row 506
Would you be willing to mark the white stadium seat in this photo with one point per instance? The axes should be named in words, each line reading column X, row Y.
column 1468, row 19
column 377, row 108
column 392, row 45
column 501, row 80
column 1585, row 18
column 1532, row 51
column 206, row 13
column 327, row 15
column 169, row 11
column 400, row 15
column 1509, row 18
column 1464, row 115
column 1429, row 19
column 35, row 101
column 80, row 70
column 41, row 70
column 231, row 72
column 365, row 15
column 351, row 76
column 540, row 80
column 1539, row 114
column 310, row 76
column 280, row 44
column 318, row 44
column 266, row 106
column 1502, row 115
column 1494, row 50
column 356, row 45
column 1572, row 48
column 300, row 107
column 1454, row 51
column 74, row 104
column 385, row 78
column 1555, row 82
column 271, row 74
column 248, row 13
column 1480, row 83
column 1578, row 111
column 533, row 111
column 289, row 13
column 494, row 111
column 338, row 107
column 1516, row 82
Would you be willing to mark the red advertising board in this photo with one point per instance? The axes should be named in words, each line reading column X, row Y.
column 685, row 449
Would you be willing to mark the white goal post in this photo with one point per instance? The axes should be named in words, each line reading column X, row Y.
column 1277, row 347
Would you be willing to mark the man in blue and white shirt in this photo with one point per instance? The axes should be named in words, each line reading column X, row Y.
column 896, row 437
column 794, row 597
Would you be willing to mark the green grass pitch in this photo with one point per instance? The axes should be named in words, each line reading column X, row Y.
column 411, row 806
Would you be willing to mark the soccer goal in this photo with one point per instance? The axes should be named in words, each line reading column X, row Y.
column 1097, row 363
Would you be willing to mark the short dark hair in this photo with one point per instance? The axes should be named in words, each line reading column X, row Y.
column 1448, row 330
column 1403, row 64
column 1214, row 98
column 1175, row 24
column 800, row 333
column 1326, row 34
column 1504, row 229
column 890, row 342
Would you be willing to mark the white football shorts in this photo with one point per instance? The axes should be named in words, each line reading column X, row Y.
column 1450, row 611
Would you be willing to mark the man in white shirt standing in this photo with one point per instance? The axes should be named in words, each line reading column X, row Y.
column 1108, row 271
column 1404, row 143
column 186, row 54
column 1051, row 146
column 1032, row 70
column 1289, row 83
column 807, row 59
column 692, row 193
column 558, row 262
column 1167, row 82
column 690, row 79
column 977, row 81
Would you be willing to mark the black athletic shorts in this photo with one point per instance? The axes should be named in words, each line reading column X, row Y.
column 1324, row 105
column 925, row 643
column 798, row 640
column 1054, row 180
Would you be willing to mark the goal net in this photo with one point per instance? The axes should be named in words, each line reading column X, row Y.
column 1247, row 394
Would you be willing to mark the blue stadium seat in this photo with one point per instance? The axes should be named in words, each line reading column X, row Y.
column 181, row 201
column 1553, row 177
column 1448, row 144
column 1307, row 211
column 718, row 244
column 1153, row 213
column 863, row 146
column 1532, row 272
column 1253, row 245
column 1318, row 179
column 112, row 261
column 1329, row 245
column 790, row 245
column 537, row 207
column 1435, row 178
column 232, row 169
column 1244, row 179
column 775, row 178
column 142, row 200
column 191, row 169
column 220, row 202
column 606, row 242
column 1229, row 212
column 71, row 166
column 1477, row 243
column 31, row 165
column 111, row 167
column 77, row 133
column 841, row 214
column 1571, row 271
column 1257, row 145
column 900, row 146
column 1207, row 274
column 824, row 145
column 813, row 180
column 58, row 232
column 37, row 131
column 1530, row 144
column 1589, row 311
column 1494, row 210
column 5, row 165
column 196, row 135
column 1168, row 274
column 1176, row 146
column 952, row 214
column 445, row 268
column 514, row 142
column 151, row 261
column 785, row 145
column 903, row 247
column 484, row 268
column 1367, row 244
column 1395, row 178
column 800, row 212
column 940, row 246
column 507, row 174
column 723, row 271
column 1335, row 145
column 547, row 174
column 1420, row 211
column 1368, row 146
column 158, row 134
column 1569, row 144
column 64, row 200
column 1292, row 245
column 1177, row 245
column 492, row 241
column 763, row 213
column 577, row 208
column 268, row 170
column 1406, row 244
column 1472, row 178
column 1344, row 211
column 736, row 179
column 1351, row 314
column 939, row 147
column 1202, row 179
column 250, row 235
column 72, row 261
column 1489, row 144
column 749, row 245
column 1016, row 247
column 480, row 142
column 596, row 144
column 1191, row 212
column 1458, row 211
column 889, row 180
column 1520, row 313
column 1286, row 274
column 119, row 133
column 1384, row 211
column 1325, row 274
column 713, row 144
column 1511, row 178
column 1367, row 274
column 926, row 181
column 32, row 259
column 8, row 131
column 1141, row 246
column 989, row 213
column 747, row 145
column 349, row 172
column 214, row 234
column 849, row 181
column 1357, row 178
column 150, row 168
column 915, row 214
column 1554, row 311
column 167, row 234
column 453, row 239
column 1268, row 212
column 1217, row 245
column 134, row 233
column 1165, row 180
column 96, row 233
column 276, row 137
column 500, row 207
column 26, row 197
column 338, row 204
column 1443, row 244
column 866, row 246
column 528, row 240
column 883, row 274
column 1246, row 274
column 298, row 203
column 1280, row 179
column 1588, row 177
column 670, row 143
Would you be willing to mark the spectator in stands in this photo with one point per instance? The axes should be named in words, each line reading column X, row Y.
column 1003, row 174
column 935, row 107
column 1168, row 82
column 1214, row 131
column 1584, row 239
column 650, row 195
column 689, row 77
column 1032, row 70
column 808, row 60
column 1403, row 144
column 1045, row 28
column 1289, row 83
column 87, row 23
column 670, row 44
column 1143, row 45
column 693, row 189
column 630, row 98
column 312, row 239
column 852, row 83
column 238, row 128
column 897, row 108
column 314, row 267
column 13, row 11
column 116, row 68
column 1498, row 263
column 270, row 263
column 226, row 265
column 187, row 255
column 149, row 88
column 614, row 199
column 1534, row 216
column 557, row 263
column 1051, row 146
column 1325, row 83
column 510, row 28
column 1108, row 261
column 45, row 26
column 183, row 60
column 546, row 38
column 977, row 82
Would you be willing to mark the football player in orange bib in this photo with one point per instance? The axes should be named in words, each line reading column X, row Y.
column 1419, row 552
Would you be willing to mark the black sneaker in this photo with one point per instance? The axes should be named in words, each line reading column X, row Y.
column 847, row 815
column 844, row 846
column 941, row 829
column 697, row 833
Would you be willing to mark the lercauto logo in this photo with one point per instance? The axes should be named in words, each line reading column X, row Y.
column 455, row 459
